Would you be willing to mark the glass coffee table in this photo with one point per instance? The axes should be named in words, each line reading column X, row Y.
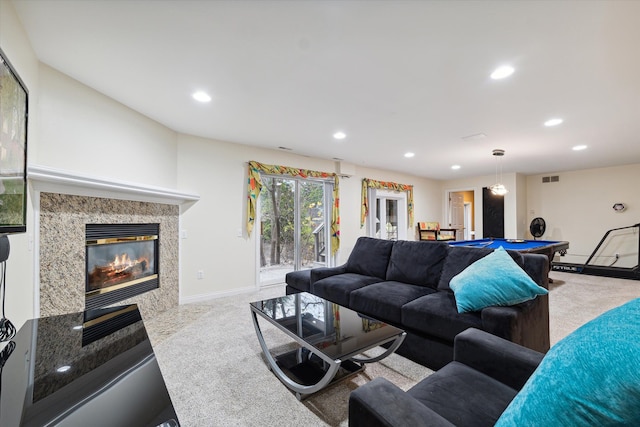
column 330, row 339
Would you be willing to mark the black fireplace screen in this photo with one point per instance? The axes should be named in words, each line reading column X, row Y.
column 121, row 260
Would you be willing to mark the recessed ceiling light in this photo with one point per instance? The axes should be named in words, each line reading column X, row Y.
column 409, row 155
column 339, row 135
column 579, row 148
column 455, row 167
column 201, row 96
column 553, row 122
column 502, row 72
column 64, row 368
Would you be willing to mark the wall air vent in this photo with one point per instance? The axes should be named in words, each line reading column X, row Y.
column 546, row 179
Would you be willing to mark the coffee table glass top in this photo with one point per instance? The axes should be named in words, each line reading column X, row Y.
column 336, row 331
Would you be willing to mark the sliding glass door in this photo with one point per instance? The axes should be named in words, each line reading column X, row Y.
column 294, row 226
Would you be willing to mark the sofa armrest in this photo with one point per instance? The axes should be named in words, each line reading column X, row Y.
column 503, row 360
column 323, row 272
column 537, row 267
column 381, row 403
column 526, row 324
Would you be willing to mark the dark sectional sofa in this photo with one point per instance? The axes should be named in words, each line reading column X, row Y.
column 406, row 284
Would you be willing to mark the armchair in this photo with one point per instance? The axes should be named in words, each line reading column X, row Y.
column 588, row 378
column 485, row 375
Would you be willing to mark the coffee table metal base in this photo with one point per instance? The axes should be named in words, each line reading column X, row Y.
column 306, row 370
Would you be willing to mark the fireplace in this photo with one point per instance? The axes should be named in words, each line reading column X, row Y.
column 121, row 262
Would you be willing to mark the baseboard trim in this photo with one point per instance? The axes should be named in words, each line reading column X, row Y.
column 216, row 295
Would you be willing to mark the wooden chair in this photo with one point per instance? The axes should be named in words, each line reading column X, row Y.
column 432, row 231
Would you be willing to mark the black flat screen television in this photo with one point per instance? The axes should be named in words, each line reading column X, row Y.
column 14, row 108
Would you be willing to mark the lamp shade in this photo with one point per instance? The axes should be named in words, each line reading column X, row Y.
column 498, row 189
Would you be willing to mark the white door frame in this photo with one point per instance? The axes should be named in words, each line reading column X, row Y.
column 477, row 198
column 328, row 206
column 468, row 221
column 383, row 195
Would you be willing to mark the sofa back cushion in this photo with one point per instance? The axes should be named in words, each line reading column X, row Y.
column 370, row 257
column 417, row 263
column 460, row 257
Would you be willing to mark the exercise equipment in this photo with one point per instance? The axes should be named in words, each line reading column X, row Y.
column 610, row 270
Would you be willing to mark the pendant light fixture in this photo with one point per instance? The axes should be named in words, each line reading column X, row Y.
column 498, row 188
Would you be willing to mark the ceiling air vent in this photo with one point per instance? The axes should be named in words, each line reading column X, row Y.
column 546, row 179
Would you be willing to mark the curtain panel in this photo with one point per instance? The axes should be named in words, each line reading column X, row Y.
column 254, row 187
column 384, row 185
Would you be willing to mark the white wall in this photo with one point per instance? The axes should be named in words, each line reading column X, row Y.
column 84, row 131
column 521, row 216
column 578, row 208
column 20, row 271
column 74, row 128
column 217, row 171
column 512, row 220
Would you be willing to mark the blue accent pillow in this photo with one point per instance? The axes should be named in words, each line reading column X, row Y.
column 590, row 378
column 495, row 279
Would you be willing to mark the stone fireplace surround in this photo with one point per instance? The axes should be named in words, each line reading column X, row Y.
column 66, row 202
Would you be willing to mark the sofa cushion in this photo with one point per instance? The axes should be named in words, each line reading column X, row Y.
column 384, row 300
column 417, row 263
column 493, row 280
column 464, row 396
column 337, row 288
column 299, row 280
column 460, row 257
column 591, row 377
column 436, row 314
column 370, row 257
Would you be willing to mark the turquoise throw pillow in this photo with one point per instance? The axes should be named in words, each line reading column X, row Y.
column 493, row 280
column 590, row 378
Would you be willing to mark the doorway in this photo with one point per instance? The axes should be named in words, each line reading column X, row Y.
column 388, row 215
column 294, row 226
column 492, row 214
column 461, row 213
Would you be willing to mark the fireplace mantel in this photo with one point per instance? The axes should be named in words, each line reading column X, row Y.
column 64, row 202
column 46, row 179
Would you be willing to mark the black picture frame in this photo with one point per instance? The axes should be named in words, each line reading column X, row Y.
column 14, row 114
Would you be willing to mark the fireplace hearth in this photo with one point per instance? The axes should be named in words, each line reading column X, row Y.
column 121, row 262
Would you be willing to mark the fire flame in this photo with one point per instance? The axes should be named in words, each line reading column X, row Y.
column 122, row 262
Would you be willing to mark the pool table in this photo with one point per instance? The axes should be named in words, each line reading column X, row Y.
column 547, row 247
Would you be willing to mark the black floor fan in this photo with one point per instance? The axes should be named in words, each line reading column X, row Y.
column 537, row 227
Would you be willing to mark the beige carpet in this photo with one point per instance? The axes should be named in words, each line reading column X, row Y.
column 213, row 366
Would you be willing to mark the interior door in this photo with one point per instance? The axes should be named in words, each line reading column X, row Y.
column 456, row 212
column 492, row 214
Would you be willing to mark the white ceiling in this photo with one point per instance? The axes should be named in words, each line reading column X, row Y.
column 395, row 76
